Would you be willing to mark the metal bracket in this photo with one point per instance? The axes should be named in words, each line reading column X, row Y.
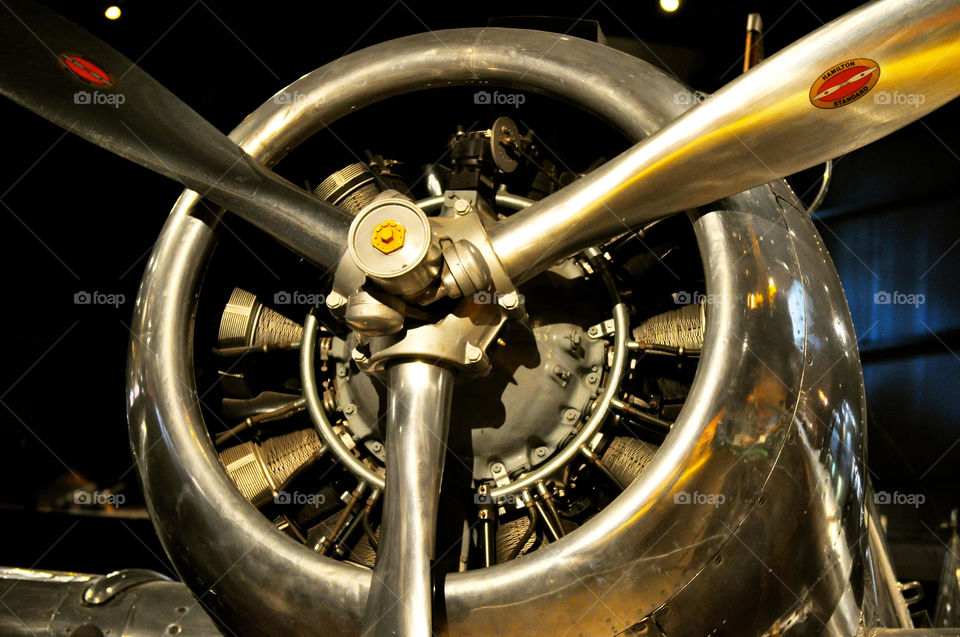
column 601, row 330
column 459, row 339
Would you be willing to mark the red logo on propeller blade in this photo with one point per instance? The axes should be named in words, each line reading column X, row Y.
column 86, row 70
column 844, row 83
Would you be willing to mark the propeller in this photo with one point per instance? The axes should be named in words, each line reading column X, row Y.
column 63, row 73
column 845, row 85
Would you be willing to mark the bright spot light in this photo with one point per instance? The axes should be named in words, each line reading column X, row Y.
column 112, row 13
column 669, row 5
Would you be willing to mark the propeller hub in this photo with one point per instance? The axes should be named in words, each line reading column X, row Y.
column 392, row 242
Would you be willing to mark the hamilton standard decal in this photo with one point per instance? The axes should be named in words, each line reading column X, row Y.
column 88, row 71
column 844, row 83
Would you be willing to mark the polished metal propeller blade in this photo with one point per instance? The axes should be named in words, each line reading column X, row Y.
column 418, row 413
column 854, row 80
column 63, row 73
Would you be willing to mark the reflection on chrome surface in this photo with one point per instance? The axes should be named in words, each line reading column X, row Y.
column 490, row 410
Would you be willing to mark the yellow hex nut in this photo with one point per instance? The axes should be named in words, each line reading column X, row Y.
column 388, row 236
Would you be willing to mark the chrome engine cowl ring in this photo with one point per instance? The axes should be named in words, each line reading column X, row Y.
column 758, row 388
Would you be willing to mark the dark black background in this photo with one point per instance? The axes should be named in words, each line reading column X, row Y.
column 75, row 218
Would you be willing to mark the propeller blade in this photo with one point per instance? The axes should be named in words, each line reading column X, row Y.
column 852, row 81
column 63, row 73
column 400, row 601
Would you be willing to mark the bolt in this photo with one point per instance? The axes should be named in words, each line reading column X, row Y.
column 376, row 447
column 497, row 467
column 461, row 206
column 349, row 409
column 576, row 347
column 509, row 301
column 474, row 353
column 335, row 300
column 592, row 379
column 594, row 331
column 342, row 371
column 541, row 452
column 388, row 236
column 571, row 415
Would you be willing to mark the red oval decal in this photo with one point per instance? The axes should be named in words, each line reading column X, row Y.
column 88, row 71
column 844, row 83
